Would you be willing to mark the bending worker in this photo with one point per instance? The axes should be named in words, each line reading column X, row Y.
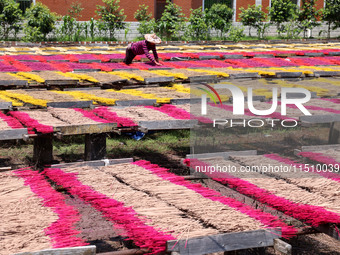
column 143, row 47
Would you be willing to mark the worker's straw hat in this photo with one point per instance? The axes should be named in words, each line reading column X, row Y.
column 152, row 38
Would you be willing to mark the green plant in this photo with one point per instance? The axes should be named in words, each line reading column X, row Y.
column 236, row 34
column 75, row 10
column 111, row 15
column 219, row 17
column 142, row 13
column 10, row 16
column 146, row 27
column 68, row 27
column 281, row 11
column 308, row 16
column 253, row 17
column 40, row 21
column 171, row 22
column 92, row 28
column 198, row 27
column 331, row 15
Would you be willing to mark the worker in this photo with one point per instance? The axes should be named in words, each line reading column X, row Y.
column 143, row 47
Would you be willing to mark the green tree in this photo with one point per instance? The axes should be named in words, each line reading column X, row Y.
column 10, row 16
column 253, row 17
column 75, row 10
column 198, row 27
column 220, row 17
column 331, row 14
column 308, row 16
column 146, row 24
column 142, row 14
column 111, row 15
column 172, row 21
column 281, row 11
column 40, row 22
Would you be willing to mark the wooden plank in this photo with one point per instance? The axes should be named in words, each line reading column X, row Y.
column 326, row 73
column 314, row 54
column 244, row 75
column 224, row 242
column 86, row 129
column 136, row 102
column 90, row 61
column 334, row 53
column 225, row 154
column 94, row 163
column 264, row 56
column 95, row 146
column 13, row 134
column 71, row 104
column 168, row 124
column 319, row 119
column 5, row 105
column 70, row 82
column 162, row 79
column 79, row 70
column 13, row 83
column 185, row 100
column 207, row 57
column 203, row 78
column 288, row 74
column 233, row 56
column 180, row 58
column 81, row 250
column 334, row 133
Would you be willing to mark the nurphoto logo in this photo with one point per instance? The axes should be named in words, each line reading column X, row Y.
column 239, row 106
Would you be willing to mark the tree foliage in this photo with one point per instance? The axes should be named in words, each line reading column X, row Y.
column 40, row 22
column 112, row 16
column 281, row 11
column 142, row 14
column 75, row 10
column 171, row 22
column 220, row 17
column 10, row 16
column 198, row 27
column 308, row 15
column 253, row 17
column 331, row 15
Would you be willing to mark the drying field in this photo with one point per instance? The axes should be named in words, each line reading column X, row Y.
column 51, row 94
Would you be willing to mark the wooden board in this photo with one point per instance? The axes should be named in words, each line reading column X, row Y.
column 320, row 147
column 319, row 119
column 244, row 75
column 95, row 163
column 136, row 102
column 14, row 83
column 71, row 104
column 162, row 79
column 72, row 82
column 288, row 74
column 225, row 154
column 224, row 242
column 13, row 134
column 168, row 124
column 86, row 129
column 82, row 250
column 326, row 73
column 5, row 105
column 203, row 78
